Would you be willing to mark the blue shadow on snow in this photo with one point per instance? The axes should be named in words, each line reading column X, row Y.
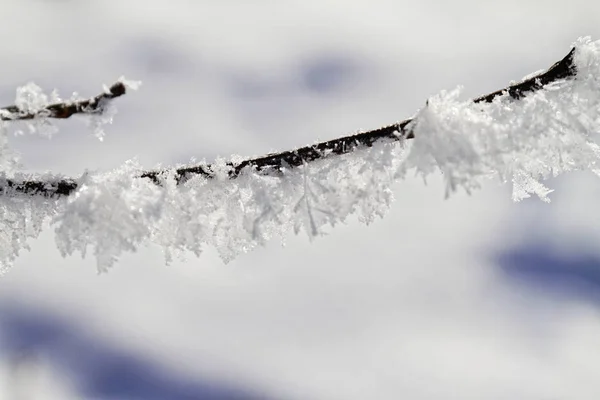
column 99, row 370
column 539, row 266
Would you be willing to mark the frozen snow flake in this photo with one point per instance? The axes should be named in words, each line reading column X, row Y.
column 453, row 136
column 97, row 121
column 9, row 160
column 22, row 218
column 524, row 185
column 118, row 212
column 112, row 213
column 36, row 110
column 523, row 142
column 179, row 228
column 31, row 99
column 587, row 57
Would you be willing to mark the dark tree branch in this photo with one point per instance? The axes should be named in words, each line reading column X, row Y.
column 95, row 105
column 274, row 163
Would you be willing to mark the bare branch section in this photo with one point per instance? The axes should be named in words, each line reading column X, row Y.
column 274, row 163
column 94, row 105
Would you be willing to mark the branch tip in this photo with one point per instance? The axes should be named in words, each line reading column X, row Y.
column 65, row 110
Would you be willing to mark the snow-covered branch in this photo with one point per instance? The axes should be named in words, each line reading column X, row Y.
column 273, row 163
column 524, row 134
column 66, row 109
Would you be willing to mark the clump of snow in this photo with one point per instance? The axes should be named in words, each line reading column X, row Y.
column 22, row 218
column 30, row 99
column 525, row 142
column 233, row 216
column 97, row 121
column 112, row 212
column 9, row 160
column 522, row 142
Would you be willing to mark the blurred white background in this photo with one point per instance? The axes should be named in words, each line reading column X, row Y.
column 474, row 297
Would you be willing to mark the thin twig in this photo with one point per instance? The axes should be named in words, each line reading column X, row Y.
column 275, row 162
column 64, row 110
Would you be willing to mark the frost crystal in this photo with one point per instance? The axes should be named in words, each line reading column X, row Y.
column 232, row 215
column 9, row 160
column 523, row 142
column 96, row 122
column 21, row 218
column 31, row 98
column 542, row 135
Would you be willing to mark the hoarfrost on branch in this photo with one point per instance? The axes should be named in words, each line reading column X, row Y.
column 522, row 142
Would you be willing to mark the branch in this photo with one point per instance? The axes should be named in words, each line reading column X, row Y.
column 275, row 162
column 94, row 105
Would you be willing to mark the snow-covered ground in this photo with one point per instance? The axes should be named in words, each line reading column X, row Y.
column 474, row 297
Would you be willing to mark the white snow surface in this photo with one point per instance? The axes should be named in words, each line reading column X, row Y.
column 524, row 142
column 414, row 305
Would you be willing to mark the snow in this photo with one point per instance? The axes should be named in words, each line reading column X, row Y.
column 411, row 306
column 524, row 142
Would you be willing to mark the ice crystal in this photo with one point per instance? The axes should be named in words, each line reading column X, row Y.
column 522, row 142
